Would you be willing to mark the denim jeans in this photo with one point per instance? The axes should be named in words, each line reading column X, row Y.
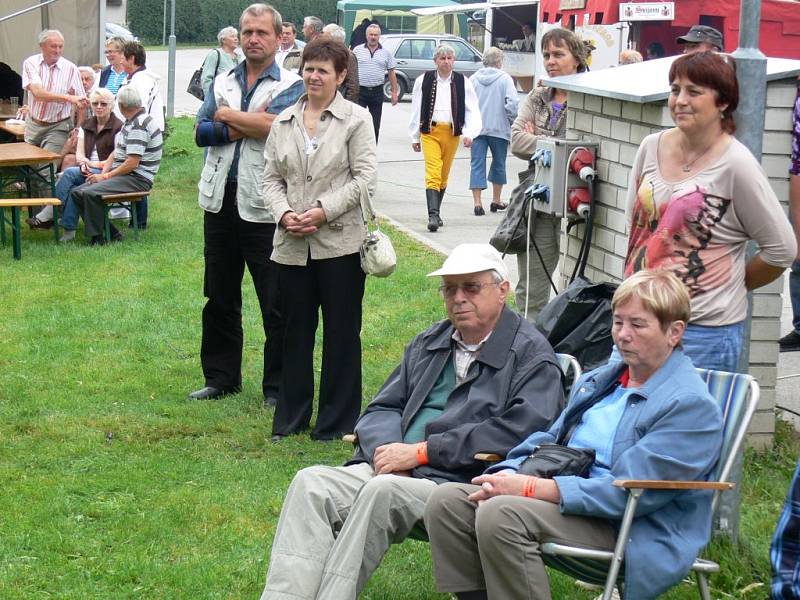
column 70, row 178
column 715, row 348
column 497, row 172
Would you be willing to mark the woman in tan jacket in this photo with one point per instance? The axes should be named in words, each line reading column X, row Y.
column 320, row 153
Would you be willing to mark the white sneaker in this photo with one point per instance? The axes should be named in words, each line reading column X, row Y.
column 67, row 236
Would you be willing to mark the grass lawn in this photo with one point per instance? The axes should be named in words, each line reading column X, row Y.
column 116, row 486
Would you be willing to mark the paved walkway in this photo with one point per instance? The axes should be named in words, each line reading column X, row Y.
column 401, row 195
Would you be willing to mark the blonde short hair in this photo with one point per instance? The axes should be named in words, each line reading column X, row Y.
column 660, row 292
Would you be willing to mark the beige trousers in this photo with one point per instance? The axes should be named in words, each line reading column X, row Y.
column 495, row 547
column 335, row 526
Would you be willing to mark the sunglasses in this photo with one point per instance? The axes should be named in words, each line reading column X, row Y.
column 99, row 103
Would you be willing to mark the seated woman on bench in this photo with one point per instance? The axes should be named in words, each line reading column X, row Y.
column 95, row 144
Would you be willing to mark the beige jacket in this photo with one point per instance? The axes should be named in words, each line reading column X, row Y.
column 330, row 178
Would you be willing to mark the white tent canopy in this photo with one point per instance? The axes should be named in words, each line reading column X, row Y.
column 77, row 20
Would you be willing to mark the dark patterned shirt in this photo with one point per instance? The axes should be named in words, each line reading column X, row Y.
column 794, row 167
column 785, row 551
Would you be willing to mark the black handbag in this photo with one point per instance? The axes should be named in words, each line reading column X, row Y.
column 195, row 87
column 549, row 460
column 511, row 235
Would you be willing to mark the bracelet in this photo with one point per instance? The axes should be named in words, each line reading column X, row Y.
column 529, row 489
column 422, row 453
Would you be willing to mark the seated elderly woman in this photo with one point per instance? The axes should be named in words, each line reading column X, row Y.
column 649, row 416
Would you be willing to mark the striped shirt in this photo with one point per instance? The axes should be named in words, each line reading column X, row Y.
column 62, row 77
column 372, row 66
column 115, row 80
column 140, row 136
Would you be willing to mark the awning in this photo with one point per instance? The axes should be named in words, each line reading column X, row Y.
column 442, row 10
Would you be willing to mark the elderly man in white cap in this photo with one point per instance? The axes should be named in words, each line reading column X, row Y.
column 472, row 383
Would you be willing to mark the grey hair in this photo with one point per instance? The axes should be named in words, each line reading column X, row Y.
column 128, row 97
column 86, row 68
column 444, row 50
column 493, row 57
column 335, row 31
column 48, row 33
column 226, row 32
column 496, row 277
column 102, row 94
column 374, row 26
column 314, row 22
column 259, row 10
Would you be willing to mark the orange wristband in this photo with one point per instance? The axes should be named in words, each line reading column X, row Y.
column 422, row 453
column 529, row 489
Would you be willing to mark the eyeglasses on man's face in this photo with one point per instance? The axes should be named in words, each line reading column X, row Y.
column 470, row 288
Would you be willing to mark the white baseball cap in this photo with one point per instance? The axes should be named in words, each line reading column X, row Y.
column 472, row 258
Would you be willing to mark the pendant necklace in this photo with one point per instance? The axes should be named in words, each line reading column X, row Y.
column 687, row 168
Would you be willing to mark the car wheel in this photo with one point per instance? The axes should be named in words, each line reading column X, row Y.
column 387, row 90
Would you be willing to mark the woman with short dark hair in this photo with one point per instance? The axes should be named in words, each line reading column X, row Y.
column 697, row 196
column 321, row 156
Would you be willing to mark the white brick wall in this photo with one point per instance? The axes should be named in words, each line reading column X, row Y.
column 619, row 127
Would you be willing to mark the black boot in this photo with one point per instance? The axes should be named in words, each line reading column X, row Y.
column 438, row 214
column 432, row 197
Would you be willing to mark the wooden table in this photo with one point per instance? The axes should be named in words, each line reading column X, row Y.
column 16, row 129
column 20, row 162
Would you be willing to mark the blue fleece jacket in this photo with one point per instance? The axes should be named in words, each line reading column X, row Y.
column 498, row 101
column 671, row 429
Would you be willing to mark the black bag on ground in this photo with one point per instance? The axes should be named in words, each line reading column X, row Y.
column 578, row 322
column 511, row 235
column 549, row 460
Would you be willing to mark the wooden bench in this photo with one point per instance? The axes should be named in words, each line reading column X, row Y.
column 112, row 200
column 15, row 204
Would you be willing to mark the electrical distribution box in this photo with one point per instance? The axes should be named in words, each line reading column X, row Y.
column 555, row 181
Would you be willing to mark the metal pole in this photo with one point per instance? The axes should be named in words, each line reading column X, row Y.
column 171, row 68
column 751, row 73
column 101, row 18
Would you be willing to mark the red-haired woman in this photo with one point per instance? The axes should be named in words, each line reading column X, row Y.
column 697, row 196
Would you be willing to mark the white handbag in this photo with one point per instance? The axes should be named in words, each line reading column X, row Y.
column 378, row 257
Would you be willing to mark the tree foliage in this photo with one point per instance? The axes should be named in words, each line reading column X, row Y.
column 199, row 21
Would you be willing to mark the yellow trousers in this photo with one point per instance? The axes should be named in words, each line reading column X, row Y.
column 439, row 149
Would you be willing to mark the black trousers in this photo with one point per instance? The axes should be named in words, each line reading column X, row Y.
column 337, row 286
column 372, row 99
column 230, row 244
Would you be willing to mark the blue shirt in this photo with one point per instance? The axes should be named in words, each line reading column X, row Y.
column 785, row 551
column 598, row 428
column 281, row 101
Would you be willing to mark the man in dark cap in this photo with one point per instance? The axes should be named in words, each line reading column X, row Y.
column 701, row 38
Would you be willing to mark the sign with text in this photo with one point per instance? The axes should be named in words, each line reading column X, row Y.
column 571, row 4
column 646, row 11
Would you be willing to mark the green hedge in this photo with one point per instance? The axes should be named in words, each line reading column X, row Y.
column 200, row 20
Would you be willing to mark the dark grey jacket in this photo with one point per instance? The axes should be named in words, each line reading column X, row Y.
column 514, row 387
